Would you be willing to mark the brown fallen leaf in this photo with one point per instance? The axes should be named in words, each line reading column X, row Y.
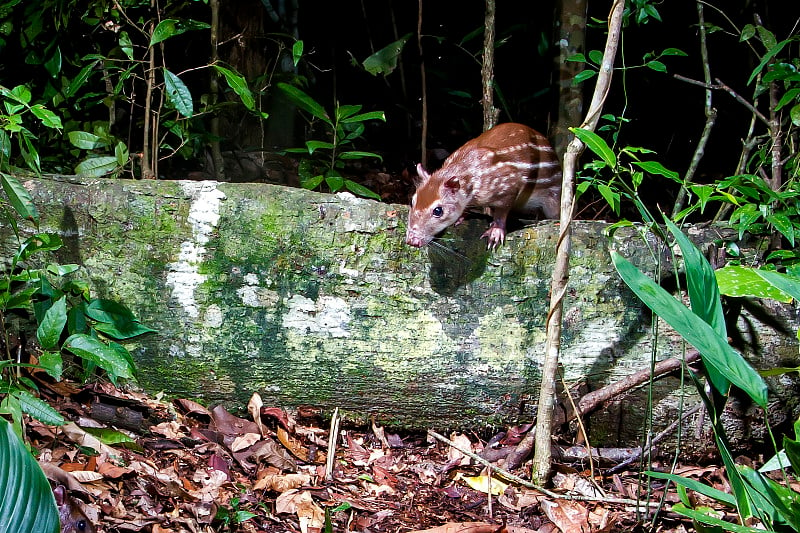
column 282, row 482
column 244, row 441
column 229, row 424
column 301, row 504
column 270, row 452
column 254, row 408
column 298, row 450
column 81, row 438
column 190, row 407
column 570, row 517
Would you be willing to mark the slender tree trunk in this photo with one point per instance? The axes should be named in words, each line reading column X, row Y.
column 148, row 172
column 423, row 158
column 570, row 41
column 711, row 115
column 216, row 153
column 558, row 286
column 490, row 112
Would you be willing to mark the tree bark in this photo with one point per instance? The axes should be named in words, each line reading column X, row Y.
column 558, row 287
column 490, row 112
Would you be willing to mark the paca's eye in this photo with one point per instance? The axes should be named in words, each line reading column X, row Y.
column 437, row 211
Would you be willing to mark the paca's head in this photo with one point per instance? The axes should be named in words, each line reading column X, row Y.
column 73, row 519
column 436, row 204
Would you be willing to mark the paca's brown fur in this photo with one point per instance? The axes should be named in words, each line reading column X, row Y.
column 73, row 519
column 510, row 167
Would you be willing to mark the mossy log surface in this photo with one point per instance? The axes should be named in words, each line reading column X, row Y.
column 314, row 299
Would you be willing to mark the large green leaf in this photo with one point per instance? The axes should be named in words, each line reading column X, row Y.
column 596, row 144
column 696, row 486
column 739, row 281
column 41, row 242
column 115, row 320
column 19, row 197
column 26, row 501
column 304, row 101
column 85, row 140
column 52, row 326
column 782, row 504
column 712, row 520
column 171, row 27
column 782, row 282
column 239, row 85
column 80, row 79
column 101, row 354
column 94, row 167
column 38, row 409
column 104, row 310
column 654, row 167
column 772, row 52
column 714, row 348
column 700, row 280
column 47, row 117
column 384, row 61
column 178, row 93
column 357, row 188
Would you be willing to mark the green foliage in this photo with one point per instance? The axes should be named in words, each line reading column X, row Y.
column 703, row 327
column 754, row 495
column 17, row 112
column 384, row 61
column 763, row 198
column 26, row 501
column 48, row 295
column 67, row 319
column 779, row 504
column 325, row 160
column 120, row 74
column 757, row 208
column 231, row 515
column 627, row 172
column 651, row 60
column 698, row 325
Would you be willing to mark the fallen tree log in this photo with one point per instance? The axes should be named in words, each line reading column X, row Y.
column 313, row 299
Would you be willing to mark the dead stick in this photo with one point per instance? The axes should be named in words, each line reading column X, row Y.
column 516, row 479
column 594, row 399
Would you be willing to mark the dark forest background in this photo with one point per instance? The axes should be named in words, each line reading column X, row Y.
column 255, row 39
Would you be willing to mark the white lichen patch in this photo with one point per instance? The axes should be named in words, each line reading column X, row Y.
column 328, row 316
column 419, row 337
column 184, row 274
column 213, row 316
column 253, row 296
column 500, row 339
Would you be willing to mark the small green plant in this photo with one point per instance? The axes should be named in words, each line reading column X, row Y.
column 325, row 159
column 42, row 298
column 776, row 505
column 232, row 516
column 17, row 111
column 170, row 109
column 702, row 325
column 617, row 176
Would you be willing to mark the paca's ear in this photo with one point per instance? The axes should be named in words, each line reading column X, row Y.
column 60, row 494
column 422, row 174
column 453, row 184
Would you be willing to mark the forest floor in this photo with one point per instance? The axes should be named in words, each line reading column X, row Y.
column 180, row 467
